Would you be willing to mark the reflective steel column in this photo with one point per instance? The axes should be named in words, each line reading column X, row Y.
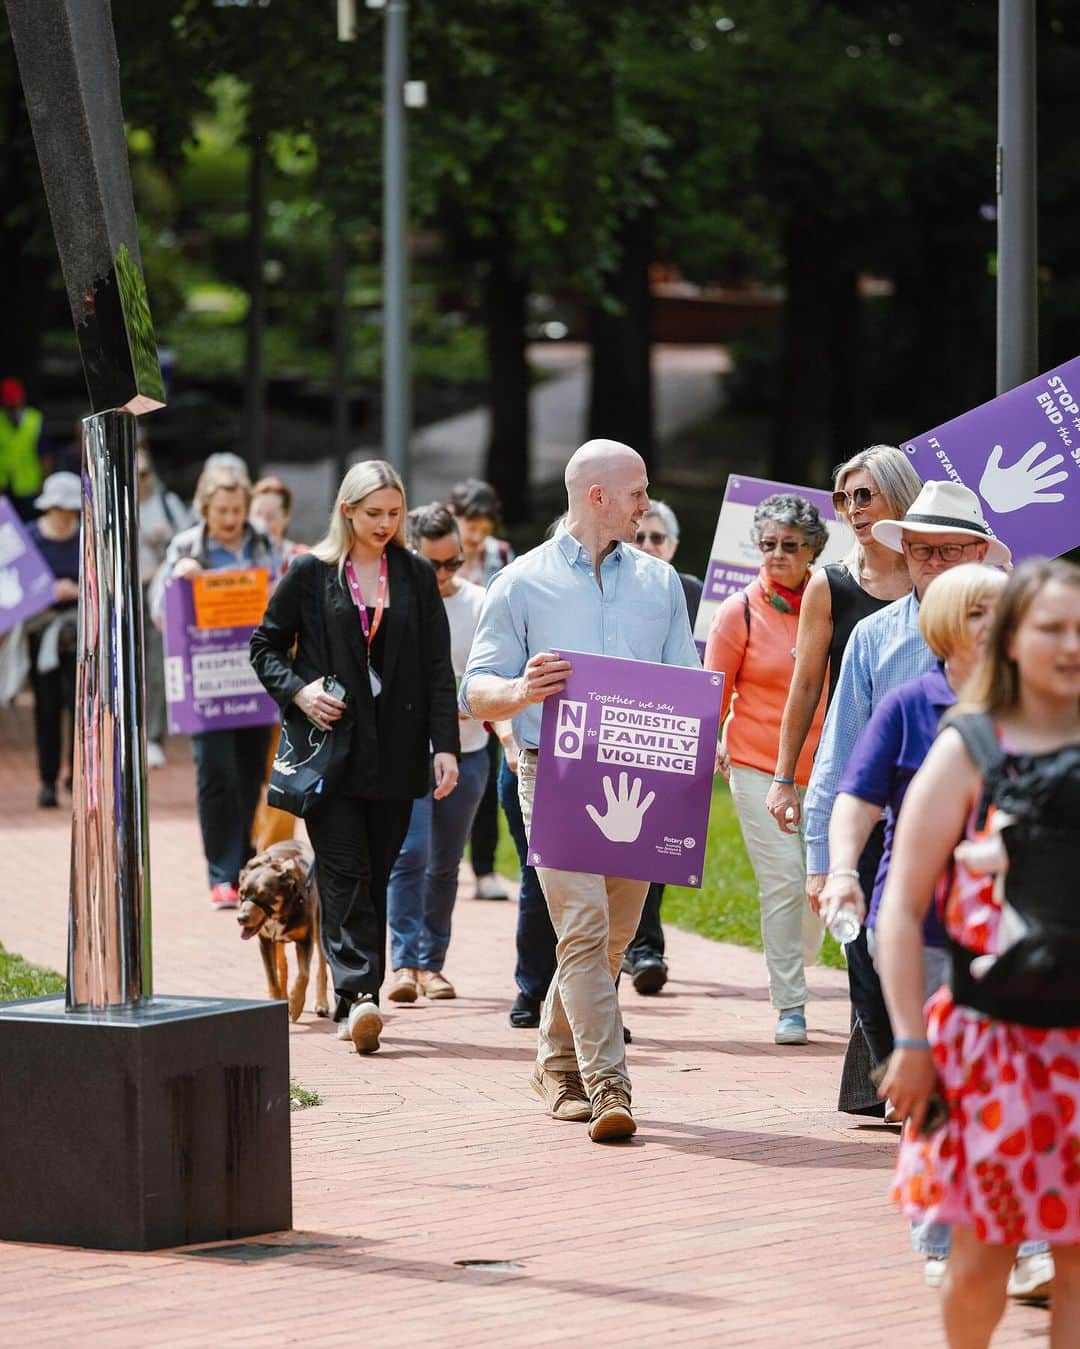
column 109, row 930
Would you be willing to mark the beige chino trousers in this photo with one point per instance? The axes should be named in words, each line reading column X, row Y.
column 595, row 919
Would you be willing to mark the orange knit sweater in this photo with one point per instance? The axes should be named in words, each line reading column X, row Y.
column 757, row 667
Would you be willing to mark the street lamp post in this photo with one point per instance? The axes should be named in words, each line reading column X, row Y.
column 1017, row 252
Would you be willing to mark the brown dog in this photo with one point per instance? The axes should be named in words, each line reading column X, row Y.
column 279, row 901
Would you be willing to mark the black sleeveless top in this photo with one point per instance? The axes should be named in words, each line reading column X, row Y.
column 850, row 603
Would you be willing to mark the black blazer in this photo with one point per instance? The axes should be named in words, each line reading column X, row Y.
column 311, row 607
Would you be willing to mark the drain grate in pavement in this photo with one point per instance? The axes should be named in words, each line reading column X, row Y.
column 491, row 1266
column 250, row 1251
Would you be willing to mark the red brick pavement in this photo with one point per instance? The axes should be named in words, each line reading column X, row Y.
column 745, row 1213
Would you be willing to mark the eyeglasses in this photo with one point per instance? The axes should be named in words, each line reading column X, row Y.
column 862, row 496
column 452, row 566
column 653, row 535
column 785, row 545
column 948, row 552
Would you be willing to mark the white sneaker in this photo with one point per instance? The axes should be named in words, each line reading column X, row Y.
column 1032, row 1277
column 490, row 887
column 364, row 1025
column 934, row 1271
column 155, row 755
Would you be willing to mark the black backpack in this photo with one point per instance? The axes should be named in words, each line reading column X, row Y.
column 1035, row 981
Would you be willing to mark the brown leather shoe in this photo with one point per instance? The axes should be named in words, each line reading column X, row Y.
column 434, row 984
column 611, row 1117
column 404, row 987
column 563, row 1094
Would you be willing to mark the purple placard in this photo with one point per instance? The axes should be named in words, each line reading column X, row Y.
column 26, row 580
column 209, row 682
column 1021, row 453
column 625, row 770
column 735, row 561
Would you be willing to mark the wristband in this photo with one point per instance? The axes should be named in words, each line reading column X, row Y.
column 904, row 1042
column 785, row 782
column 845, row 871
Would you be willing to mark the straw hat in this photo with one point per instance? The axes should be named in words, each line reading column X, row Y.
column 942, row 508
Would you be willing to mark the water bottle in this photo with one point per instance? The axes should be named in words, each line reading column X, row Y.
column 844, row 925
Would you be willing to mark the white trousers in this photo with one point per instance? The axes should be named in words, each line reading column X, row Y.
column 791, row 932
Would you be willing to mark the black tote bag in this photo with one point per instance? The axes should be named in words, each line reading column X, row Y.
column 309, row 761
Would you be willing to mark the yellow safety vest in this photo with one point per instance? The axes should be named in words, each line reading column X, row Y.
column 20, row 466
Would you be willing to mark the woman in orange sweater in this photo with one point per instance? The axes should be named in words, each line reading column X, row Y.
column 752, row 641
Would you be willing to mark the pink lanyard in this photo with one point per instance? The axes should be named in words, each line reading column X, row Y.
column 358, row 599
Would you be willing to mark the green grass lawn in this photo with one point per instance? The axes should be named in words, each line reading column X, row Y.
column 726, row 906
column 19, row 979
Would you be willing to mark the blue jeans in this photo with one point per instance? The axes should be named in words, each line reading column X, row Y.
column 423, row 882
column 535, row 935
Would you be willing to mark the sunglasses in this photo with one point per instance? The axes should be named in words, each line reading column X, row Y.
column 452, row 566
column 948, row 552
column 785, row 545
column 862, row 496
column 653, row 535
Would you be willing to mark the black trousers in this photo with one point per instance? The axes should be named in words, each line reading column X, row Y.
column 485, row 828
column 356, row 842
column 649, row 938
column 535, row 939
column 54, row 694
column 864, row 986
column 229, row 769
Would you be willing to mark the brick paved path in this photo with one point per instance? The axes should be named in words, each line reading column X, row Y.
column 745, row 1212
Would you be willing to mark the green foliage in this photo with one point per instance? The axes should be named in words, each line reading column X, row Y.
column 19, row 979
column 302, row 1099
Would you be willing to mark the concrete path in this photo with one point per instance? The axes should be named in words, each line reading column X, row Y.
column 745, row 1212
column 687, row 391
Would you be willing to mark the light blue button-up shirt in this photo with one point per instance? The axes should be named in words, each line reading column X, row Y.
column 549, row 600
column 886, row 649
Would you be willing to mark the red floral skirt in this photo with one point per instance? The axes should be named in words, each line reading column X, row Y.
column 1007, row 1163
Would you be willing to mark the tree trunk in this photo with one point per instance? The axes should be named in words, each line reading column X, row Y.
column 27, row 253
column 803, row 376
column 621, row 391
column 342, row 426
column 254, row 371
column 848, row 402
column 505, row 296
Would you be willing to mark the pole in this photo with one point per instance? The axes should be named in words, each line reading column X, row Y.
column 396, row 390
column 109, row 927
column 341, row 357
column 1017, row 251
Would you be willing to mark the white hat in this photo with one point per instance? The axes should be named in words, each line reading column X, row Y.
column 62, row 490
column 942, row 508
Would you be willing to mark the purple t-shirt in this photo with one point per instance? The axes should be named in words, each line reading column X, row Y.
column 887, row 755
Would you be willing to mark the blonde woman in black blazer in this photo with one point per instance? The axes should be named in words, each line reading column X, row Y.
column 361, row 607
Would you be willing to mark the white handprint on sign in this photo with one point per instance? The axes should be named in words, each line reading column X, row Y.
column 1024, row 483
column 622, row 821
column 11, row 591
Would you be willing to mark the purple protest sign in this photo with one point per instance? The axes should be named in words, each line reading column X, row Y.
column 1021, row 453
column 625, row 770
column 26, row 580
column 209, row 682
column 735, row 560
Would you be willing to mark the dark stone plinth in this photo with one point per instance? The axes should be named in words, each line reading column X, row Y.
column 135, row 1130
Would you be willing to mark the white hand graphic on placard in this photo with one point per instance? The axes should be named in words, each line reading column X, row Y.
column 11, row 591
column 625, row 812
column 1024, row 483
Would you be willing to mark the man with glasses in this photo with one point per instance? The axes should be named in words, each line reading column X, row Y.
column 943, row 527
column 658, row 535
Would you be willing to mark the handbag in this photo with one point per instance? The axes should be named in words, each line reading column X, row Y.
column 309, row 761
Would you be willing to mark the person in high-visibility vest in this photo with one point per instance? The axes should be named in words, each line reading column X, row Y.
column 20, row 447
